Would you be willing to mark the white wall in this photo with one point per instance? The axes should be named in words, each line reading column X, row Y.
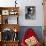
column 22, row 4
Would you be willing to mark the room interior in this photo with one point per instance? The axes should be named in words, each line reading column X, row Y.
column 16, row 16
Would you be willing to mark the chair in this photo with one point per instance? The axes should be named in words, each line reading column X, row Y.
column 29, row 33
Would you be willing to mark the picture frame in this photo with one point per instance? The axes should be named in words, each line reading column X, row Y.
column 5, row 12
column 30, row 12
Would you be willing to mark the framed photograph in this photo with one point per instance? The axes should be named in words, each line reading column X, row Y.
column 30, row 12
column 5, row 12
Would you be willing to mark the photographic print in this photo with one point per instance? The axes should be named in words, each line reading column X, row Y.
column 30, row 12
column 5, row 12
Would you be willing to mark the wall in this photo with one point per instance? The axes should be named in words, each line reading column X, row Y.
column 22, row 21
column 39, row 13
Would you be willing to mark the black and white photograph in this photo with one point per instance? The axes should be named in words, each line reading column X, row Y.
column 30, row 12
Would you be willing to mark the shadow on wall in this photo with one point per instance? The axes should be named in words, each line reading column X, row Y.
column 37, row 29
